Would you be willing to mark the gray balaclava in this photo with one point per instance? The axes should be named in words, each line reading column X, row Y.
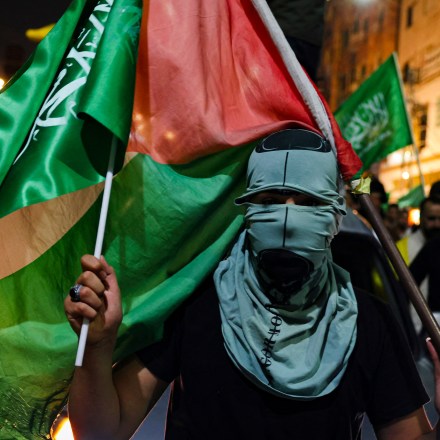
column 288, row 243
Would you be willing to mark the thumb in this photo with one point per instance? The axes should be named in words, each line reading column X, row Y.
column 434, row 355
column 112, row 292
column 110, row 278
column 431, row 349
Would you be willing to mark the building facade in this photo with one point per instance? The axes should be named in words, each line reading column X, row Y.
column 419, row 56
column 361, row 34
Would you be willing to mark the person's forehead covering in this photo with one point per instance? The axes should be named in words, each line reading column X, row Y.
column 294, row 159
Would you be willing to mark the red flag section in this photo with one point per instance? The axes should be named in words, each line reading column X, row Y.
column 209, row 77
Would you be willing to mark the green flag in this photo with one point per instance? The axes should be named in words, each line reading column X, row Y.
column 414, row 197
column 73, row 104
column 151, row 243
column 171, row 215
column 374, row 118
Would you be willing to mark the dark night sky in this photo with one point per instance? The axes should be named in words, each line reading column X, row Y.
column 18, row 15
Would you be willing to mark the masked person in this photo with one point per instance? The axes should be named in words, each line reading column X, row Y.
column 276, row 344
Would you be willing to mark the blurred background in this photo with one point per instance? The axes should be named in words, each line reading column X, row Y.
column 16, row 17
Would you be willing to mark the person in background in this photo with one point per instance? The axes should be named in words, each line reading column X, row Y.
column 378, row 197
column 426, row 264
column 276, row 344
column 391, row 220
column 410, row 245
column 396, row 221
column 403, row 222
column 435, row 189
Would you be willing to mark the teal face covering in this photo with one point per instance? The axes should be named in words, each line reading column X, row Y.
column 288, row 243
column 288, row 312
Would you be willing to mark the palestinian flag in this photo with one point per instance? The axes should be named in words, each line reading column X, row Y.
column 190, row 87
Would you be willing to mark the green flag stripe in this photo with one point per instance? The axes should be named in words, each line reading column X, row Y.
column 186, row 209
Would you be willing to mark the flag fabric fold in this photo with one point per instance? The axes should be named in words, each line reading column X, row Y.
column 87, row 101
column 209, row 84
column 374, row 118
column 150, row 241
column 211, row 74
column 22, row 96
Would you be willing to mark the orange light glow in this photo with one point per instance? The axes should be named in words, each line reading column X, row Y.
column 63, row 430
column 169, row 135
column 414, row 217
column 405, row 175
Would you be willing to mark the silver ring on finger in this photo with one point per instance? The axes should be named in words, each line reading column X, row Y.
column 74, row 293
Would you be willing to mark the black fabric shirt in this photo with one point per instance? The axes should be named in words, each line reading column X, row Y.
column 211, row 399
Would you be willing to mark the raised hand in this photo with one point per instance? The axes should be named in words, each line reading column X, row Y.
column 95, row 296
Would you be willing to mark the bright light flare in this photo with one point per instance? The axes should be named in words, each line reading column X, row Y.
column 170, row 136
column 2, row 83
column 414, row 217
column 63, row 430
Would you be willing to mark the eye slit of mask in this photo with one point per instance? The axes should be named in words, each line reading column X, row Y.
column 284, row 196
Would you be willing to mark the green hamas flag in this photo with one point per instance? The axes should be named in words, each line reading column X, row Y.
column 77, row 93
column 414, row 197
column 374, row 118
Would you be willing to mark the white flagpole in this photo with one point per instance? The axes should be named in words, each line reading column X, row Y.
column 99, row 240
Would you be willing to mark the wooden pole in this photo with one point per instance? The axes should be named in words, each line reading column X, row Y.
column 402, row 271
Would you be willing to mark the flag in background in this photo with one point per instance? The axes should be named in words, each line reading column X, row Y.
column 208, row 86
column 374, row 118
column 413, row 198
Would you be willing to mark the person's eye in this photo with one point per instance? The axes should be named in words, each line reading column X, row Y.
column 312, row 202
column 269, row 201
column 309, row 202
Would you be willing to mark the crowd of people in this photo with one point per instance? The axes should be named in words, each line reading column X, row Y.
column 419, row 244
